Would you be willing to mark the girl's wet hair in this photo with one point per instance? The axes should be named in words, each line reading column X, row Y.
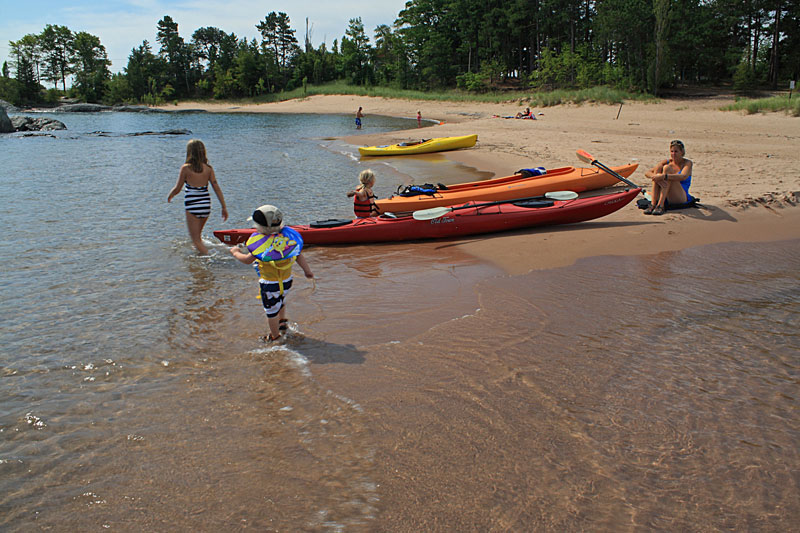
column 196, row 154
column 678, row 143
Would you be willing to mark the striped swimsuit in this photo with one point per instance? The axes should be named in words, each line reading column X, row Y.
column 197, row 201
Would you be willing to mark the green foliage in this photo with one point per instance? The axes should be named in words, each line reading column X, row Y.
column 167, row 92
column 603, row 95
column 52, row 96
column 577, row 70
column 471, row 82
column 744, row 80
column 118, row 90
column 772, row 104
column 57, row 46
column 10, row 90
column 471, row 45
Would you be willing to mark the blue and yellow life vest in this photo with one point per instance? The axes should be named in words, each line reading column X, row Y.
column 275, row 253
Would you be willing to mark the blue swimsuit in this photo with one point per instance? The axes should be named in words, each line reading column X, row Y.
column 686, row 183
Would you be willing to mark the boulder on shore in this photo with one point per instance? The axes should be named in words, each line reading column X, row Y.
column 36, row 124
column 5, row 123
column 8, row 107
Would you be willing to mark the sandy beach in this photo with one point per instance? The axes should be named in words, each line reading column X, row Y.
column 745, row 166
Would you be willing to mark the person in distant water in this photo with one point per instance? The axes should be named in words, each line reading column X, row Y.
column 671, row 180
column 419, row 119
column 363, row 198
column 274, row 248
column 359, row 116
column 194, row 176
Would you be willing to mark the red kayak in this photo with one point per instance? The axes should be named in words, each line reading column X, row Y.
column 471, row 218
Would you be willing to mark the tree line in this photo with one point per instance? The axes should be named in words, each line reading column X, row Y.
column 635, row 45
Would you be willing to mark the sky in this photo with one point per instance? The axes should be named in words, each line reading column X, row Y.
column 122, row 25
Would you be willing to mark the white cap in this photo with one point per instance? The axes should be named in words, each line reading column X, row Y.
column 267, row 219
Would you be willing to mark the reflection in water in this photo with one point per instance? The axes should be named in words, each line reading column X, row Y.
column 203, row 304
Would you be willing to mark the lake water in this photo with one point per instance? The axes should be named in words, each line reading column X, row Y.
column 418, row 390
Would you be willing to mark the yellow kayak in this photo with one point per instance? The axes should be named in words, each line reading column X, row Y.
column 425, row 146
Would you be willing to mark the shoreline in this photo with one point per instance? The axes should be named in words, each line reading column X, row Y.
column 741, row 164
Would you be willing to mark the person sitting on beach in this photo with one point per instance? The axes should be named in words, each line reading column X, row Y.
column 671, row 180
column 274, row 248
column 526, row 114
column 363, row 198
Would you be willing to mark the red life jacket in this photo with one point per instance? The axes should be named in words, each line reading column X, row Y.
column 364, row 208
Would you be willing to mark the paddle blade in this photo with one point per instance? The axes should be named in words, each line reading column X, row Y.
column 429, row 214
column 585, row 156
column 561, row 195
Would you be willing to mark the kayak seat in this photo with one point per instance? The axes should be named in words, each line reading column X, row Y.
column 330, row 223
column 534, row 203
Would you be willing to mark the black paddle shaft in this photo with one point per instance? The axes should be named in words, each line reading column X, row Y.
column 615, row 174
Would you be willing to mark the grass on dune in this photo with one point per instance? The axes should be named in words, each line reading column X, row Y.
column 766, row 105
column 604, row 95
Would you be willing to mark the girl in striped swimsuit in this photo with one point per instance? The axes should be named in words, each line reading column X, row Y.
column 195, row 175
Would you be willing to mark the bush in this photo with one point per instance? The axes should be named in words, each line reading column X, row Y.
column 52, row 96
column 472, row 82
column 744, row 79
column 10, row 91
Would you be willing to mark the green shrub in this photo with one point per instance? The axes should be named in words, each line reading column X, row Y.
column 472, row 82
column 744, row 79
column 764, row 105
column 10, row 91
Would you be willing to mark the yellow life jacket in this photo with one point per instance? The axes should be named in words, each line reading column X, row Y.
column 275, row 254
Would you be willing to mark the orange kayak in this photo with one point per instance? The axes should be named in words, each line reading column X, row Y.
column 561, row 179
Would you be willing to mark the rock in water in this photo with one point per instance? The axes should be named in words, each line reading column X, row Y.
column 36, row 124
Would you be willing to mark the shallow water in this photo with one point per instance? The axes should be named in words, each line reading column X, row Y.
column 641, row 393
column 418, row 390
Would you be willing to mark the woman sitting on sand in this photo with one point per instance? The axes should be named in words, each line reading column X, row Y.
column 526, row 114
column 671, row 180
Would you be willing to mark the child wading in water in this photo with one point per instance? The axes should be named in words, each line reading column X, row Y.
column 195, row 175
column 363, row 197
column 274, row 248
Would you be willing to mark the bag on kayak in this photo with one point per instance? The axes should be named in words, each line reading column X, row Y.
column 530, row 172
column 417, row 190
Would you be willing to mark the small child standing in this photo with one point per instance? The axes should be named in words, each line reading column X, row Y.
column 274, row 248
column 363, row 198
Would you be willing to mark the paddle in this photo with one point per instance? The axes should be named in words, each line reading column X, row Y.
column 588, row 158
column 436, row 212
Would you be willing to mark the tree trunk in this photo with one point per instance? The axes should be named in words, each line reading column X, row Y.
column 773, row 62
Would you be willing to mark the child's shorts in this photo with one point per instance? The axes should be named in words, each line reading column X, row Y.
column 271, row 296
